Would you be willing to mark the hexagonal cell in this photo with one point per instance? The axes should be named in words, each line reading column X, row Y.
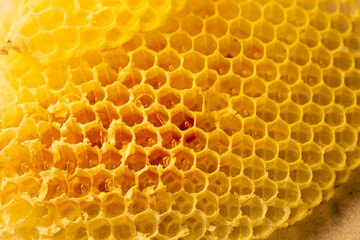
column 240, row 28
column 277, row 170
column 145, row 137
column 131, row 77
column 82, row 112
column 335, row 158
column 266, row 189
column 250, row 11
column 344, row 96
column 230, row 164
column 181, row 41
column 230, row 123
column 301, row 132
column 123, row 227
column 228, row 9
column 193, row 100
column 218, row 142
column 242, row 185
column 229, row 47
column 91, row 208
column 322, row 95
column 131, row 115
column 93, row 91
column 207, row 161
column 149, row 178
column 184, row 159
column 195, row 139
column 193, row 62
column 242, row 229
column 157, row 115
column 286, row 34
column 340, row 23
column 300, row 173
column 182, row 118
column 195, row 223
column 146, row 223
column 183, row 202
column 266, row 70
column 107, row 113
column 105, row 75
column 334, row 115
column 169, row 225
column 352, row 42
column 342, row 60
column 254, row 167
column 56, row 188
column 321, row 57
column 277, row 212
column 194, row 181
column 117, row 94
column 345, row 137
column 143, row 59
column 299, row 54
column 243, row 67
column 323, row 135
column 331, row 39
column 143, row 96
column 216, row 26
column 68, row 210
column 159, row 156
column 203, row 9
column 353, row 117
column 116, row 59
column 242, row 145
column 79, row 185
column 65, row 158
column 309, row 36
column 172, row 179
column 168, row 97
column 324, row 176
column 139, row 204
column 215, row 101
column 111, row 158
column 289, row 192
column 300, row 93
column 319, row 20
column 77, row 231
column 95, row 134
column 171, row 137
column 311, row 195
column 254, row 208
column 155, row 41
column 266, row 110
column 136, row 160
column 289, row 73
column 155, row 77
column 276, row 51
column 289, row 151
column 274, row 13
column 229, row 207
column 253, row 49
column 100, row 228
column 312, row 114
column 290, row 112
column 255, row 128
column 218, row 63
column 278, row 91
column 119, row 135
column 124, row 179
column 168, row 60
column 102, row 182
column 266, row 149
column 264, row 31
column 351, row 80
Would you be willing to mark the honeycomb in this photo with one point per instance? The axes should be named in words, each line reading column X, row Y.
column 149, row 119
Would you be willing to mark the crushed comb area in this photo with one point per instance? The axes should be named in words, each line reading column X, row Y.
column 222, row 120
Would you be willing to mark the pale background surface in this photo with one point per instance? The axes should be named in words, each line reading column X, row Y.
column 337, row 219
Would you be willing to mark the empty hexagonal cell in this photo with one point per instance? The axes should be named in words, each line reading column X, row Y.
column 123, row 227
column 312, row 114
column 334, row 115
column 182, row 118
column 68, row 210
column 311, row 194
column 254, row 87
column 168, row 97
column 242, row 186
column 79, row 185
column 195, row 139
column 290, row 112
column 351, row 80
column 289, row 73
column 218, row 142
column 311, row 154
column 160, row 201
column 301, row 132
column 340, row 23
column 264, row 31
column 254, row 167
column 146, row 223
column 266, row 189
column 253, row 49
column 181, row 41
column 228, row 9
column 168, row 60
column 94, row 92
column 157, row 115
column 56, row 188
column 194, row 181
column 242, row 145
column 193, row 100
column 324, row 176
column 299, row 54
column 95, row 134
column 184, row 159
column 345, row 137
column 100, row 228
column 322, row 95
column 124, row 179
column 102, row 182
column 215, row 101
column 321, row 57
column 255, row 128
column 139, row 204
column 131, row 115
column 77, row 231
column 230, row 123
column 342, row 60
column 29, row 185
column 183, row 202
column 117, row 94
column 230, row 164
column 192, row 25
column 169, row 225
column 289, row 192
column 207, row 161
column 155, row 77
column 116, row 59
column 159, row 156
column 149, row 178
column 171, row 137
column 195, row 223
column 274, row 13
column 254, row 208
column 216, row 26
column 352, row 42
column 18, row 209
column 242, row 229
column 286, row 33
column 193, row 62
column 277, row 170
column 277, row 212
column 65, row 158
column 266, row 149
column 105, row 74
column 240, row 28
column 131, row 77
column 218, row 63
column 289, row 151
column 82, row 112
column 243, row 67
column 155, row 41
column 91, row 208
column 136, row 160
column 300, row 173
column 266, row 70
column 111, row 158
column 229, row 47
column 119, row 135
column 323, row 135
column 331, row 39
column 335, row 158
column 107, row 113
column 250, row 11
column 43, row 42
column 32, row 80
column 145, row 137
column 353, row 117
column 229, row 207
column 344, row 96
column 143, row 96
column 172, row 179
column 276, row 51
column 309, row 36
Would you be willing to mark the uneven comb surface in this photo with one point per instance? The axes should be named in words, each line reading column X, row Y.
column 228, row 120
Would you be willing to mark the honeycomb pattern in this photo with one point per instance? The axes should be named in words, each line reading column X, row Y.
column 226, row 120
